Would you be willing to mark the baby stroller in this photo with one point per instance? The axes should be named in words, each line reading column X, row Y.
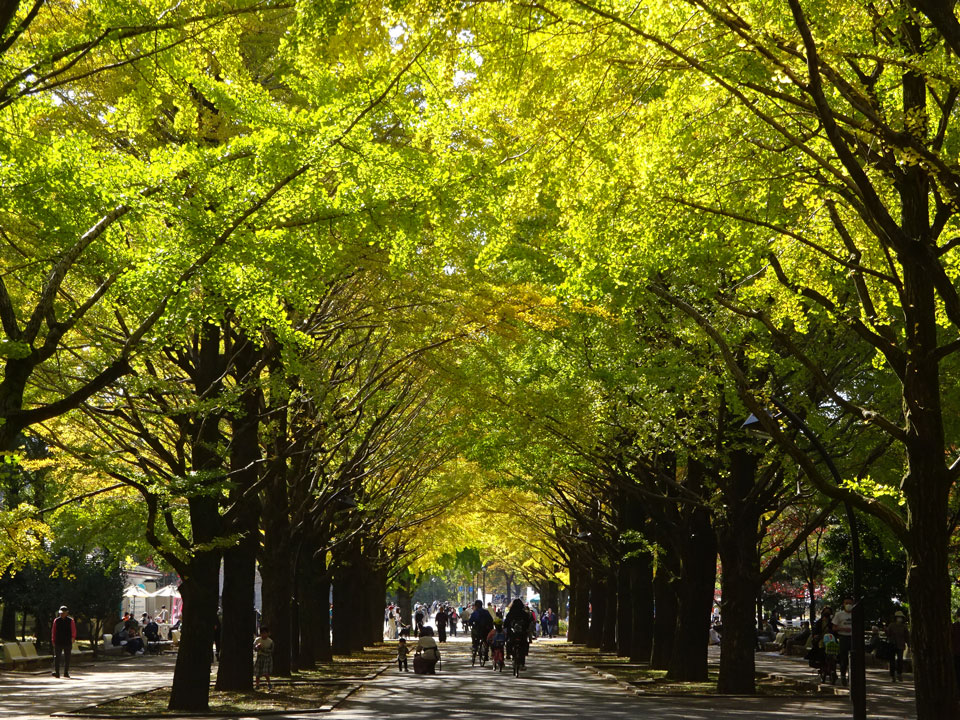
column 823, row 657
column 831, row 649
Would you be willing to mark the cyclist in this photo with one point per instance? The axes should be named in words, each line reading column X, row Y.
column 517, row 627
column 481, row 623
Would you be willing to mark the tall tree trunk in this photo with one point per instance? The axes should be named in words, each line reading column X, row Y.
column 578, row 626
column 307, row 589
column 8, row 623
column 321, row 608
column 235, row 671
column 349, row 600
column 740, row 578
column 550, row 596
column 200, row 587
column 698, row 576
column 199, row 590
column 928, row 482
column 276, row 568
column 609, row 641
column 376, row 594
column 405, row 597
column 624, row 610
column 598, row 603
column 664, row 619
column 276, row 572
column 641, row 602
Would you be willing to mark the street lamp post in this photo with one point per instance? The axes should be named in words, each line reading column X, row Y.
column 858, row 678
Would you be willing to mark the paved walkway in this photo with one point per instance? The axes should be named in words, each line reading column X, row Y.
column 552, row 689
column 36, row 695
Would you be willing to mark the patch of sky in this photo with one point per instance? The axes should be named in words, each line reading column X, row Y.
column 461, row 77
column 397, row 34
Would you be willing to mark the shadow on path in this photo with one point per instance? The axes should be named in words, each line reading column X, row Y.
column 554, row 689
column 26, row 696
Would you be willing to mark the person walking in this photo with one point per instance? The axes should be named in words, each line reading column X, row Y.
column 391, row 627
column 263, row 667
column 62, row 634
column 843, row 629
column 897, row 635
column 441, row 618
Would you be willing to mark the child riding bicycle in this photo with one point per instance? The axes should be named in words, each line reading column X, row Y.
column 497, row 640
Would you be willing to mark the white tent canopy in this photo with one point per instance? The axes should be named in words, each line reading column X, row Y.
column 170, row 591
column 136, row 598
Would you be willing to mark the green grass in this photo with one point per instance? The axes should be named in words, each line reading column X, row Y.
column 655, row 682
column 281, row 698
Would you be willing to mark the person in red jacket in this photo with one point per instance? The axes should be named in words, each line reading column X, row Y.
column 62, row 634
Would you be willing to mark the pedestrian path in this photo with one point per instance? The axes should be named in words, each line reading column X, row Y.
column 554, row 689
column 883, row 695
column 35, row 695
column 551, row 689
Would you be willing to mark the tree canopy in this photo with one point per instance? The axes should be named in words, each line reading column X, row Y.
column 356, row 292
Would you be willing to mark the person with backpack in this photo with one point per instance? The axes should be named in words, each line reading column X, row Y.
column 517, row 626
column 497, row 640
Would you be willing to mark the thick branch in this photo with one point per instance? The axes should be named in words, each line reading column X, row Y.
column 744, row 391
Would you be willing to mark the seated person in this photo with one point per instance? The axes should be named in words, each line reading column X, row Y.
column 119, row 636
column 134, row 644
column 799, row 639
column 151, row 631
column 120, row 625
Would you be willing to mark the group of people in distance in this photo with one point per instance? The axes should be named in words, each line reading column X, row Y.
column 492, row 628
column 133, row 635
column 831, row 640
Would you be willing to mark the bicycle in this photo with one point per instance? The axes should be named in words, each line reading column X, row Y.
column 519, row 655
column 496, row 655
column 480, row 650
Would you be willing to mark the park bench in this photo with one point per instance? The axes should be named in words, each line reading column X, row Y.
column 158, row 647
column 108, row 648
column 29, row 651
column 13, row 658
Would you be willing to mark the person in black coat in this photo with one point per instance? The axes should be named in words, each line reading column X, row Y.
column 441, row 619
